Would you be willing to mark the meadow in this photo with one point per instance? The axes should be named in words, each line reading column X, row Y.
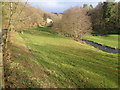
column 111, row 40
column 44, row 59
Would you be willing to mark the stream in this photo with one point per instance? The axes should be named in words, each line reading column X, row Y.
column 103, row 48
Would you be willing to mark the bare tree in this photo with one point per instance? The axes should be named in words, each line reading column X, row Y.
column 75, row 22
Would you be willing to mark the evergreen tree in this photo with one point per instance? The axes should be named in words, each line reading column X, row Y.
column 106, row 18
column 109, row 14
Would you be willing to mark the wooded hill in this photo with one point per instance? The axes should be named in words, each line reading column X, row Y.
column 25, row 16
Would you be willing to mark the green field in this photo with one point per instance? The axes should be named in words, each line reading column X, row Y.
column 48, row 60
column 107, row 40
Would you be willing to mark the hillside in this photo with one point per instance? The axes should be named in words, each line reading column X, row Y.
column 25, row 16
column 36, row 55
column 41, row 59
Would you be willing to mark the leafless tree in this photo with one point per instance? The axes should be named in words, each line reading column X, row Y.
column 75, row 22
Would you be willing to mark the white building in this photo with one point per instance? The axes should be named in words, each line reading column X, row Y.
column 49, row 20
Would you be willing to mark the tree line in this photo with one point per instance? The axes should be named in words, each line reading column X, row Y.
column 105, row 18
column 79, row 21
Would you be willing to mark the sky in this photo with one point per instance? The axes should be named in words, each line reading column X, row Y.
column 59, row 6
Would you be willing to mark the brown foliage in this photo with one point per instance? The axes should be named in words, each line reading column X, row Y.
column 29, row 17
column 75, row 22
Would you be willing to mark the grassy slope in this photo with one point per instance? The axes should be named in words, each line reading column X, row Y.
column 107, row 40
column 54, row 61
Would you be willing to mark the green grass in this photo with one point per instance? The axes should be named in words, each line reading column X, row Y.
column 62, row 62
column 107, row 40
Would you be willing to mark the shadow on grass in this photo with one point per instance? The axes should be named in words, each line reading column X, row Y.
column 62, row 63
column 102, row 32
column 43, row 31
column 63, row 56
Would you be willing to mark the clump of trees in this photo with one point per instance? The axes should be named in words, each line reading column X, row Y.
column 74, row 23
column 105, row 18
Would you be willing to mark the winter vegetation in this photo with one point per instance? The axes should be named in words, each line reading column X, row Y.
column 102, row 20
column 74, row 23
column 45, row 50
column 28, row 16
